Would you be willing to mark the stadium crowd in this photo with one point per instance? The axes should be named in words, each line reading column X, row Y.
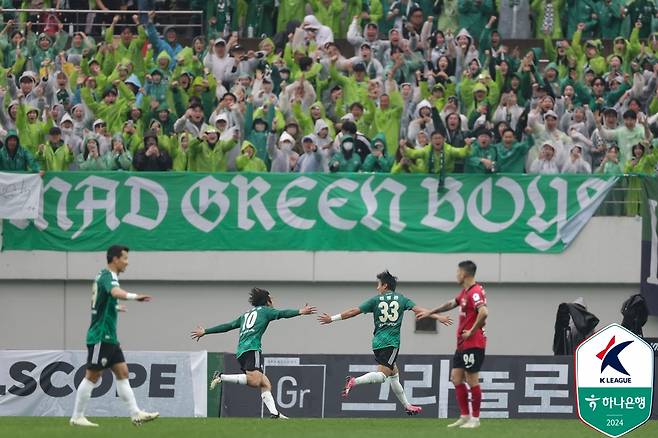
column 429, row 87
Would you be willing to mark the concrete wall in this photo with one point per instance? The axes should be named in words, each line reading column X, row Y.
column 45, row 296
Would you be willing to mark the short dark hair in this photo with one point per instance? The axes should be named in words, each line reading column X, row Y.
column 630, row 114
column 468, row 267
column 349, row 127
column 115, row 251
column 259, row 297
column 506, row 130
column 390, row 280
column 305, row 63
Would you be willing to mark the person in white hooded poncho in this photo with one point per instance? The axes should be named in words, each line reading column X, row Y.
column 325, row 142
column 218, row 60
column 548, row 133
column 422, row 121
column 576, row 163
column 60, row 90
column 465, row 51
column 369, row 35
column 323, row 34
column 82, row 119
column 233, row 154
column 283, row 157
column 68, row 134
column 546, row 163
column 8, row 116
column 323, row 136
column 103, row 137
column 509, row 110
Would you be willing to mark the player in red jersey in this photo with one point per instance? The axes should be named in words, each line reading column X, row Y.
column 471, row 343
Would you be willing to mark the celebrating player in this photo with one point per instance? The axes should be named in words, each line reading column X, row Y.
column 103, row 349
column 387, row 308
column 471, row 342
column 252, row 326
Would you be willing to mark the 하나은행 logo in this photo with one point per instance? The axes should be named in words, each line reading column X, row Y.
column 617, row 397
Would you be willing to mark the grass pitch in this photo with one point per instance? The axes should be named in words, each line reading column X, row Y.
column 311, row 428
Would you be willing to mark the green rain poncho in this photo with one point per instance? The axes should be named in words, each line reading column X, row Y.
column 387, row 121
column 113, row 114
column 204, row 157
column 55, row 157
column 381, row 164
column 438, row 161
column 31, row 134
column 21, row 160
column 246, row 164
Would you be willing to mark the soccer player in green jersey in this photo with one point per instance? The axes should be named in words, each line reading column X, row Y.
column 103, row 349
column 387, row 308
column 252, row 325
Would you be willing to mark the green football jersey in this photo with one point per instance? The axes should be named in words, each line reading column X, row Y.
column 252, row 325
column 103, row 326
column 387, row 310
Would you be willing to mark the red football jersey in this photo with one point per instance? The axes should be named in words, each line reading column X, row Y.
column 469, row 301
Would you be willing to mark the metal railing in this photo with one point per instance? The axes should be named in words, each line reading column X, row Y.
column 92, row 21
column 623, row 200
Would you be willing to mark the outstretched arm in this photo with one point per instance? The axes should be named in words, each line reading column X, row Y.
column 443, row 308
column 200, row 332
column 422, row 312
column 347, row 314
column 121, row 294
column 291, row 313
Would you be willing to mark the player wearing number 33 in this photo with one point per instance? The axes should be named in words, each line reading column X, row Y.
column 387, row 308
column 471, row 342
column 252, row 325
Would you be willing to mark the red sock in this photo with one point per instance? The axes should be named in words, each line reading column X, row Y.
column 476, row 399
column 461, row 393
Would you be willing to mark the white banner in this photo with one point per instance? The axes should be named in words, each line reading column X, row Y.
column 42, row 383
column 20, row 195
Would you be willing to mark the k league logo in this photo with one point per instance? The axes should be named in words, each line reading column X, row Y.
column 614, row 381
column 610, row 356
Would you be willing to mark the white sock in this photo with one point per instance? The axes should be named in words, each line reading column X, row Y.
column 398, row 390
column 269, row 402
column 127, row 395
column 373, row 377
column 82, row 397
column 240, row 379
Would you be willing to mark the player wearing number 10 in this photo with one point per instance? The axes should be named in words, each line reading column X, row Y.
column 387, row 308
column 252, row 325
